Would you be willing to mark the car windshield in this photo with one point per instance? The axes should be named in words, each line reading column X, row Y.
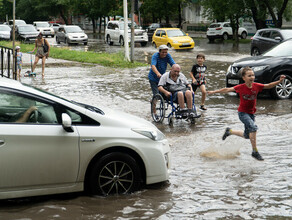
column 175, row 33
column 286, row 33
column 73, row 29
column 28, row 28
column 129, row 25
column 42, row 24
column 19, row 22
column 283, row 49
column 4, row 28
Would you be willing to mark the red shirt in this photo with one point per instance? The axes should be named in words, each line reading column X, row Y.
column 248, row 97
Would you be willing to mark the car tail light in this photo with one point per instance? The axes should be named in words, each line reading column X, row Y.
column 251, row 38
column 219, row 28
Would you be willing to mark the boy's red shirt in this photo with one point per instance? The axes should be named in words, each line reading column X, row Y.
column 248, row 97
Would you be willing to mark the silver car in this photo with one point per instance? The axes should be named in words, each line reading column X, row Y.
column 5, row 31
column 50, row 145
column 71, row 34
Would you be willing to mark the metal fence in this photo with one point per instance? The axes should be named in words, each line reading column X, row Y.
column 6, row 59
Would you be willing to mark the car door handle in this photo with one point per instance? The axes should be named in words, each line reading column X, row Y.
column 2, row 142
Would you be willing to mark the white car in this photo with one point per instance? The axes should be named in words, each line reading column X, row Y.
column 114, row 33
column 223, row 30
column 5, row 31
column 60, row 146
column 44, row 27
column 71, row 34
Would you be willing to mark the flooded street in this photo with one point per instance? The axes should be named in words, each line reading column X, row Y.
column 210, row 178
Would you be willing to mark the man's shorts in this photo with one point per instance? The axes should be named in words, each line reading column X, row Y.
column 174, row 96
column 154, row 87
column 249, row 123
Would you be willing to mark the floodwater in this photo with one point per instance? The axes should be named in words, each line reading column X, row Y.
column 210, row 178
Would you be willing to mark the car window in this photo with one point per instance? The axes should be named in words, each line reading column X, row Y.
column 175, row 33
column 157, row 34
column 226, row 25
column 15, row 108
column 80, row 119
column 163, row 33
column 73, row 29
column 283, row 49
column 28, row 28
column 266, row 34
column 275, row 34
column 214, row 25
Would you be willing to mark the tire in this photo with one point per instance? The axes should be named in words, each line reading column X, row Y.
column 108, row 40
column 66, row 42
column 115, row 173
column 211, row 40
column 169, row 45
column 284, row 89
column 143, row 44
column 85, row 43
column 154, row 45
column 243, row 35
column 158, row 108
column 255, row 51
column 225, row 36
column 57, row 40
column 122, row 42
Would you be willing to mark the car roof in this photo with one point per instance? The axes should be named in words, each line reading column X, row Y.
column 40, row 22
column 168, row 29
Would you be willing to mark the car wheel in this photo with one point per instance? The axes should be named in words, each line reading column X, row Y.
column 225, row 36
column 108, row 40
column 85, row 43
column 284, row 89
column 122, row 41
column 154, row 45
column 143, row 44
column 169, row 45
column 57, row 40
column 255, row 51
column 211, row 40
column 115, row 173
column 243, row 35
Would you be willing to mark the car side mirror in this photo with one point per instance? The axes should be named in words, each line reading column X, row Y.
column 187, row 34
column 67, row 123
column 278, row 38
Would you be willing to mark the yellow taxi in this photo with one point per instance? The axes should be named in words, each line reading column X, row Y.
column 173, row 38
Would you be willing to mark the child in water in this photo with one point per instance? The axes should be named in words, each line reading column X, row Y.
column 18, row 61
column 247, row 107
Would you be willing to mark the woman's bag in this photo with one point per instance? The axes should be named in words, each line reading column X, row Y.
column 45, row 47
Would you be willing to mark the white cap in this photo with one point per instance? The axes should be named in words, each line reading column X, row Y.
column 17, row 47
column 163, row 47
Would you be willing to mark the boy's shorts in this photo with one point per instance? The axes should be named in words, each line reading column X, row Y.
column 19, row 66
column 249, row 123
column 195, row 86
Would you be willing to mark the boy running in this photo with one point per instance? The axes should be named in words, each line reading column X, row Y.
column 247, row 107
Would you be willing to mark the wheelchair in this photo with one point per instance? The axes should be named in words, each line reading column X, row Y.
column 167, row 108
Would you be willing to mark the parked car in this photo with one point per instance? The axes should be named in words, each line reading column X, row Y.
column 267, row 68
column 223, row 30
column 55, row 27
column 172, row 37
column 152, row 28
column 71, row 34
column 66, row 146
column 26, row 33
column 264, row 39
column 44, row 28
column 5, row 31
column 17, row 22
column 114, row 33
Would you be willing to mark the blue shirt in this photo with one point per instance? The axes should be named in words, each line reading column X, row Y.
column 161, row 65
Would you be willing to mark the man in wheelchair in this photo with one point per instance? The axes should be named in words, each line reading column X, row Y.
column 174, row 85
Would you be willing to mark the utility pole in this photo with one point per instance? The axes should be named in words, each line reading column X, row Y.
column 126, row 39
column 132, row 30
column 13, row 44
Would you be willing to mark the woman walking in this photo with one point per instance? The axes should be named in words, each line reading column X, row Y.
column 43, row 51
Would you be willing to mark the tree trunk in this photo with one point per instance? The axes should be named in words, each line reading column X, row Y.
column 277, row 21
column 93, row 25
column 179, row 15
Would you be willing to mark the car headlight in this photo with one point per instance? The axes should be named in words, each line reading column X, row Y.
column 259, row 68
column 155, row 135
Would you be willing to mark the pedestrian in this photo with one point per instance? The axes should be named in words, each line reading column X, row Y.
column 41, row 45
column 18, row 61
column 159, row 63
column 198, row 78
column 247, row 107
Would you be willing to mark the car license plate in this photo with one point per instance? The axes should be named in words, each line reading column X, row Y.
column 233, row 81
column 186, row 44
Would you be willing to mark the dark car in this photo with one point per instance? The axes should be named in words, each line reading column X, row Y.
column 264, row 39
column 267, row 68
column 152, row 28
column 26, row 33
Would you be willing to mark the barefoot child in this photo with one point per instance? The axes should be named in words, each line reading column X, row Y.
column 198, row 78
column 247, row 107
column 18, row 61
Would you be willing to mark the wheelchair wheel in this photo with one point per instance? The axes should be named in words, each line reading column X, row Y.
column 158, row 108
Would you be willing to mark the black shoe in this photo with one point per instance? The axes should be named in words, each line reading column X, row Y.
column 193, row 114
column 257, row 155
column 178, row 114
column 203, row 107
column 226, row 134
column 184, row 113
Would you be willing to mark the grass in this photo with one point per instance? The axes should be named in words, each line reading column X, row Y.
column 105, row 59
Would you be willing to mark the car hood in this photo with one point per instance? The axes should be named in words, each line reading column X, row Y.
column 258, row 61
column 181, row 39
